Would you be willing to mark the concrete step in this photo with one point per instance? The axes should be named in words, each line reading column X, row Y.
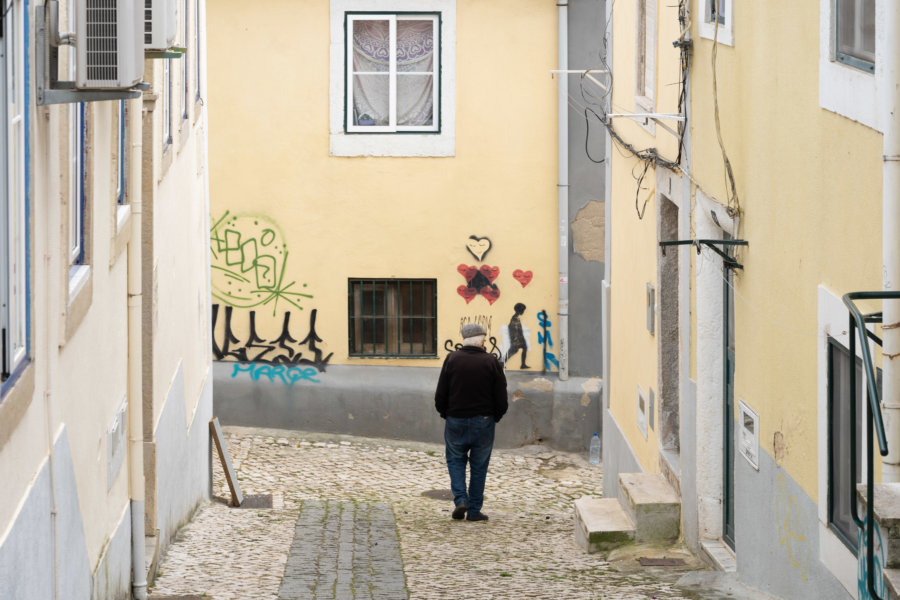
column 601, row 524
column 887, row 516
column 652, row 505
column 891, row 583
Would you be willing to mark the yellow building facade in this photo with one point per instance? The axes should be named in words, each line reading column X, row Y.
column 744, row 365
column 386, row 179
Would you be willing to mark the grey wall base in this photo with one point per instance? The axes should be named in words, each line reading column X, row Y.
column 182, row 461
column 36, row 564
column 398, row 402
column 617, row 456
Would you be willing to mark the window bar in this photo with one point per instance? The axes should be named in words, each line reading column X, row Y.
column 424, row 328
column 412, row 339
column 4, row 373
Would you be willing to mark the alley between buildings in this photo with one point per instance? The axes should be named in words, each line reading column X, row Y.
column 356, row 517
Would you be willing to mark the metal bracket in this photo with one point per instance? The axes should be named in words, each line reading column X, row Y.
column 729, row 261
column 52, row 91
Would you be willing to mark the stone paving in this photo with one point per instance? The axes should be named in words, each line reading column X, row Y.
column 345, row 496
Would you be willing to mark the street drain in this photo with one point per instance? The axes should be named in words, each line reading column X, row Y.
column 179, row 597
column 257, row 501
column 661, row 562
column 438, row 494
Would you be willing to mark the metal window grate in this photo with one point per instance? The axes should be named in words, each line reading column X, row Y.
column 102, row 49
column 392, row 318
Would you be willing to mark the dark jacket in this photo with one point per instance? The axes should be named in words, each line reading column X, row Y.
column 472, row 384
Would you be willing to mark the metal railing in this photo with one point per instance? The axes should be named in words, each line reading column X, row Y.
column 874, row 421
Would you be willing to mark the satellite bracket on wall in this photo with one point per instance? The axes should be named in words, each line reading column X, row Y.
column 729, row 261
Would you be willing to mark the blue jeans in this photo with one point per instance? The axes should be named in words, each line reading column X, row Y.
column 469, row 440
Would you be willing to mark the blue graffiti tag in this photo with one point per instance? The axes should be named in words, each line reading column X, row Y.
column 862, row 573
column 287, row 375
column 545, row 339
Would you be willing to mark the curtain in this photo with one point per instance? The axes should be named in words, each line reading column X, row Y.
column 415, row 72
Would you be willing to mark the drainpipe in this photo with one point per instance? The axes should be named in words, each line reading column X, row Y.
column 135, row 360
column 563, row 190
column 890, row 123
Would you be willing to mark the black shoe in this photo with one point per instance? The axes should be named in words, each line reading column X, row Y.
column 476, row 516
column 460, row 511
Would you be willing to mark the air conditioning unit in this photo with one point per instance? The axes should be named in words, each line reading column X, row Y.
column 160, row 24
column 109, row 53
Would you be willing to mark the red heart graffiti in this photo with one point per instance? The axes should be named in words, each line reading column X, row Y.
column 491, row 293
column 489, row 272
column 466, row 292
column 523, row 277
column 467, row 272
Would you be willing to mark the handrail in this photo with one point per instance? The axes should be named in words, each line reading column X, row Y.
column 873, row 419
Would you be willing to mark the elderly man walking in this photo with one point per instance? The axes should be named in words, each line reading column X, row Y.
column 471, row 397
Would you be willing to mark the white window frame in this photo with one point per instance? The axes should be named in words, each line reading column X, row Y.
column 843, row 89
column 167, row 104
column 645, row 53
column 185, row 88
column 442, row 143
column 725, row 34
column 833, row 319
column 197, row 49
column 121, row 173
column 76, row 184
column 14, row 293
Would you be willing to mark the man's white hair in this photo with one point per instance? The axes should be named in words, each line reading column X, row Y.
column 474, row 341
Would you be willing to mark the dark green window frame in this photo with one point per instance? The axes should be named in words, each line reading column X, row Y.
column 840, row 520
column 392, row 318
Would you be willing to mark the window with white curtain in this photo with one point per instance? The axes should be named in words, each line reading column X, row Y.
column 197, row 49
column 14, row 293
column 393, row 64
column 854, row 29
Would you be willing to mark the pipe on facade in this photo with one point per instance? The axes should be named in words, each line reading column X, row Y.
column 563, row 190
column 890, row 124
column 135, row 359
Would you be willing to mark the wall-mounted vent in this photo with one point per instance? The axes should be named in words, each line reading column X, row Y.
column 107, row 45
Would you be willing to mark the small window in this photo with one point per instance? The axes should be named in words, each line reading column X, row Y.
column 645, row 79
column 184, row 62
column 393, row 317
column 839, row 451
column 717, row 14
column 854, row 30
column 120, row 156
column 167, row 103
column 393, row 62
column 14, row 281
column 76, row 184
column 197, row 49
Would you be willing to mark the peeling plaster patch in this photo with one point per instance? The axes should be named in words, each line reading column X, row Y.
column 591, row 386
column 540, row 384
column 588, row 231
column 780, row 447
column 517, row 395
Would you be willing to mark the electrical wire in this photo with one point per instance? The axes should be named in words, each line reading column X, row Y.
column 733, row 204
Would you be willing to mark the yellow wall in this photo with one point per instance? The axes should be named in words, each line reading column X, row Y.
column 387, row 217
column 634, row 354
column 809, row 183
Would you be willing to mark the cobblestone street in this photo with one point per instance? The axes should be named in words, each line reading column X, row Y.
column 330, row 532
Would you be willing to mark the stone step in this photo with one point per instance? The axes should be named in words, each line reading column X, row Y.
column 887, row 516
column 652, row 505
column 601, row 524
column 892, row 583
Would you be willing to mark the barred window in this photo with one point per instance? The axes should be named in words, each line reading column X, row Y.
column 393, row 317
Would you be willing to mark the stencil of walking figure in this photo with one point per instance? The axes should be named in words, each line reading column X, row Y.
column 515, row 337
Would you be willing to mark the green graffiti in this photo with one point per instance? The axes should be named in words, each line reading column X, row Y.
column 249, row 262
